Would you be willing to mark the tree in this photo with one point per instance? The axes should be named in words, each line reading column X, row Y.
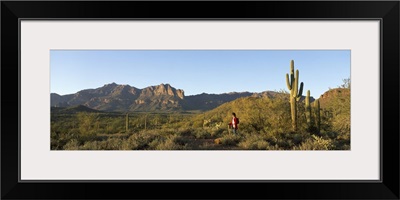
column 346, row 83
column 87, row 122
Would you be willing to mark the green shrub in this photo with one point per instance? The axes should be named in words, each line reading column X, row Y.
column 202, row 134
column 93, row 145
column 248, row 142
column 113, row 144
column 185, row 131
column 153, row 145
column 230, row 139
column 168, row 143
column 88, row 122
column 197, row 124
column 254, row 142
column 181, row 140
column 297, row 138
column 218, row 132
column 141, row 140
column 316, row 143
column 72, row 145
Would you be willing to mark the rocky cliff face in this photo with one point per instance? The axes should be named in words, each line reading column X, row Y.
column 162, row 90
column 114, row 97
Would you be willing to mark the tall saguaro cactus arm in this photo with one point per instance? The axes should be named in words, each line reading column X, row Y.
column 288, row 83
column 300, row 94
column 296, row 84
column 292, row 80
column 308, row 109
column 318, row 115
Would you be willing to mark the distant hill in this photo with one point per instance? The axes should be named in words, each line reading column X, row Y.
column 72, row 109
column 330, row 98
column 206, row 101
column 165, row 98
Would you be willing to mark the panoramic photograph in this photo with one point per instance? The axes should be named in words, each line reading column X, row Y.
column 200, row 100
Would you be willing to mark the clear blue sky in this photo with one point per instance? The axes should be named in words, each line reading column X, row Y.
column 197, row 71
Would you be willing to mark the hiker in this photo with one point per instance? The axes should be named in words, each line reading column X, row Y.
column 234, row 123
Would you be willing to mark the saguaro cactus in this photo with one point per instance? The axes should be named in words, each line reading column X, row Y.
column 317, row 115
column 127, row 122
column 295, row 92
column 308, row 110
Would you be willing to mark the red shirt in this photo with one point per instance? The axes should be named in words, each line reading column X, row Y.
column 234, row 123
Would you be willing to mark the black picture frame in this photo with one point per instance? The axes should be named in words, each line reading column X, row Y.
column 386, row 11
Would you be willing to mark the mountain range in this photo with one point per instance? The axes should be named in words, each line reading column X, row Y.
column 160, row 98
